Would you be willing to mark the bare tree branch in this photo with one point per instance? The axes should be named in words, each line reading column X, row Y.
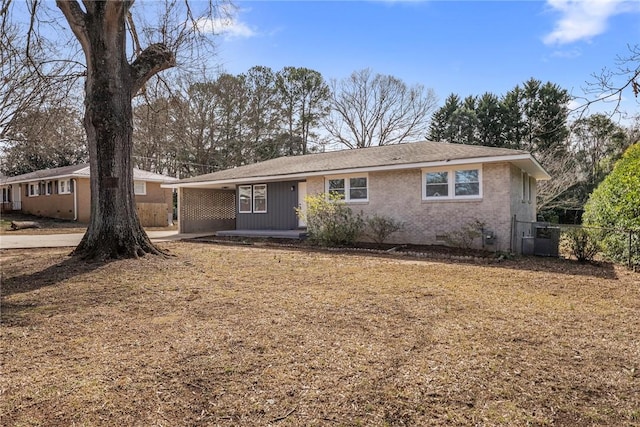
column 610, row 84
column 370, row 109
column 151, row 61
column 77, row 21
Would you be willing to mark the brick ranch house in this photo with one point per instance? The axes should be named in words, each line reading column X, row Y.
column 433, row 187
column 65, row 193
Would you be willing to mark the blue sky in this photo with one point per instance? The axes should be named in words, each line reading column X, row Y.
column 465, row 47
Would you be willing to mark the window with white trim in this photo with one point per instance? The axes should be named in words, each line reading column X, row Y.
column 34, row 189
column 467, row 183
column 49, row 188
column 252, row 198
column 349, row 188
column 64, row 186
column 437, row 184
column 336, row 186
column 244, row 199
column 260, row 198
column 139, row 188
column 464, row 182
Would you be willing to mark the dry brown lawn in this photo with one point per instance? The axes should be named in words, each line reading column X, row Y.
column 248, row 336
column 50, row 225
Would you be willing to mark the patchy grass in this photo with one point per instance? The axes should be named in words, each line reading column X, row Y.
column 228, row 335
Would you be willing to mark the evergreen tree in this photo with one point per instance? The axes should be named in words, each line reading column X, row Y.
column 465, row 122
column 512, row 118
column 489, row 121
column 546, row 113
column 441, row 127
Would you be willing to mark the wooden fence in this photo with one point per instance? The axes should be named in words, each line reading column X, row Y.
column 153, row 214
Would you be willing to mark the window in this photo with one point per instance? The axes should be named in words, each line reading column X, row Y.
column 260, row 198
column 6, row 195
column 139, row 188
column 34, row 189
column 65, row 186
column 526, row 187
column 336, row 186
column 49, row 188
column 358, row 188
column 452, row 183
column 437, row 184
column 351, row 189
column 244, row 197
column 252, row 198
column 467, row 182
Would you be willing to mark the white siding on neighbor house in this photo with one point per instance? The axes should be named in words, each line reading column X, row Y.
column 399, row 194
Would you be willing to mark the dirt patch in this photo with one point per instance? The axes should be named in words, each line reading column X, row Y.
column 246, row 335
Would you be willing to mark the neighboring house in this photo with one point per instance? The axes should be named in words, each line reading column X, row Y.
column 434, row 188
column 65, row 193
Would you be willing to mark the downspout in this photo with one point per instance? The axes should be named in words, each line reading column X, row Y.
column 75, row 199
column 179, row 209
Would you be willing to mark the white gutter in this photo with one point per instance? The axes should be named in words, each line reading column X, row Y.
column 302, row 175
column 75, row 199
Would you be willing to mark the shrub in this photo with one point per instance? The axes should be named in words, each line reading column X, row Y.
column 582, row 243
column 615, row 204
column 464, row 237
column 330, row 222
column 380, row 227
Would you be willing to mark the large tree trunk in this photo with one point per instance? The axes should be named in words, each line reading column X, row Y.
column 114, row 228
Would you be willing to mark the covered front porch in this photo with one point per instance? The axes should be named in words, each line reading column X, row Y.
column 268, row 210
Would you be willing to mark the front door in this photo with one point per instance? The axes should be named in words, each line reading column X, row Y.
column 302, row 203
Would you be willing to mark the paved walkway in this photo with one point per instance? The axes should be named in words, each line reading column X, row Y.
column 24, row 241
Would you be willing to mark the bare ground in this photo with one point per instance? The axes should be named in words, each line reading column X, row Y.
column 256, row 336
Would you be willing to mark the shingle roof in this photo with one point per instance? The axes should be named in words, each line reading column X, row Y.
column 81, row 170
column 369, row 158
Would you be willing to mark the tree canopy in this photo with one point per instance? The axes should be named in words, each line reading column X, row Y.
column 368, row 109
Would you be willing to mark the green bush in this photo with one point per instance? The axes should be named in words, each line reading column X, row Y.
column 330, row 222
column 582, row 243
column 615, row 204
column 380, row 227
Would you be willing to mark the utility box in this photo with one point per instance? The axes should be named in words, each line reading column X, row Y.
column 546, row 240
column 489, row 237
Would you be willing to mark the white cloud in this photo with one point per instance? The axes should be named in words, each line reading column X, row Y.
column 567, row 54
column 583, row 19
column 229, row 27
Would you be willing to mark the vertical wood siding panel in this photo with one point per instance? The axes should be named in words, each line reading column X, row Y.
column 281, row 202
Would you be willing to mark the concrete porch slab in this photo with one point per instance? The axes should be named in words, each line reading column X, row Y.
column 277, row 234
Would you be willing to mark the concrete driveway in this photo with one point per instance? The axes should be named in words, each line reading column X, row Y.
column 24, row 241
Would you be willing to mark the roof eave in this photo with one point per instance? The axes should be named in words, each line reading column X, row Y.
column 525, row 161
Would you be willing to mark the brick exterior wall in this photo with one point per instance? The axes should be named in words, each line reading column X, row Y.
column 398, row 194
column 62, row 205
